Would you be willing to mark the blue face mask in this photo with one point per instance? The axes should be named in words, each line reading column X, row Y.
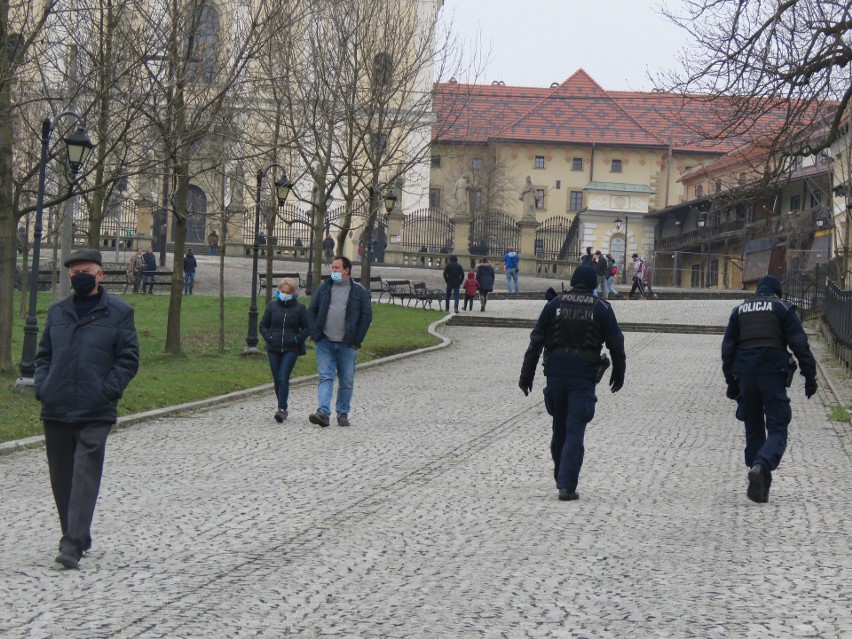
column 336, row 277
column 284, row 297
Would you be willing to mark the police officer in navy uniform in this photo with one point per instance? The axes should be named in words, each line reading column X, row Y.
column 756, row 363
column 571, row 329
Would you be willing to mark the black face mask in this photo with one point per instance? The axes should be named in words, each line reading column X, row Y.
column 83, row 283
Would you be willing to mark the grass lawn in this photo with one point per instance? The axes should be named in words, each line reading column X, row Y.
column 201, row 371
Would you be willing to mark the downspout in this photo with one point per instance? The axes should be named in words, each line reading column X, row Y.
column 592, row 169
column 668, row 173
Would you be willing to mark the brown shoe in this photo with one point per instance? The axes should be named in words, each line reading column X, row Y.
column 343, row 420
column 318, row 418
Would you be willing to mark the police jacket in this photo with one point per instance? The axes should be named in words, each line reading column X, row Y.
column 758, row 334
column 285, row 326
column 571, row 329
column 84, row 364
column 359, row 313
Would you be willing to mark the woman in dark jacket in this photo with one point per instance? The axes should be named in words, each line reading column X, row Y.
column 485, row 277
column 285, row 327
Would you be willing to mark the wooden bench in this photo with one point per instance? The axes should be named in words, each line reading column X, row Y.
column 424, row 295
column 400, row 290
column 377, row 285
column 277, row 277
column 161, row 277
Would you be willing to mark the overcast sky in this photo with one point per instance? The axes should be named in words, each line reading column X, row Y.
column 536, row 42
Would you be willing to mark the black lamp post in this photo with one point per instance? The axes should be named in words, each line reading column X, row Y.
column 282, row 190
column 390, row 201
column 78, row 146
column 624, row 263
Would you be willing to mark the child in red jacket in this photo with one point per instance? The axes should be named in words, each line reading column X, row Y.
column 470, row 287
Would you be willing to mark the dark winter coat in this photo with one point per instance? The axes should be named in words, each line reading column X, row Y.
column 453, row 274
column 84, row 365
column 285, row 326
column 359, row 313
column 485, row 277
column 150, row 261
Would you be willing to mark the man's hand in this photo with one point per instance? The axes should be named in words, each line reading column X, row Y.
column 525, row 385
column 733, row 389
column 810, row 387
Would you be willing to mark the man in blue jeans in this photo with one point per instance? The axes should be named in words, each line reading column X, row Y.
column 340, row 315
column 510, row 263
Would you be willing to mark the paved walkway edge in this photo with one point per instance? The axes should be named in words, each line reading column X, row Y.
column 7, row 448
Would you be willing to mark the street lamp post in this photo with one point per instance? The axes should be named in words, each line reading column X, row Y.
column 78, row 146
column 390, row 200
column 624, row 263
column 309, row 280
column 282, row 190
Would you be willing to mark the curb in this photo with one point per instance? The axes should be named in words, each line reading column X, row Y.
column 7, row 448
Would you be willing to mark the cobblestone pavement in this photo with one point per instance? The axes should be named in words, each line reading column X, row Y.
column 435, row 515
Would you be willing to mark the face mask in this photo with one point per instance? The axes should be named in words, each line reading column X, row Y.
column 284, row 297
column 337, row 276
column 83, row 283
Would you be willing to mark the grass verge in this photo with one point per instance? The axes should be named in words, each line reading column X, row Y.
column 839, row 414
column 200, row 370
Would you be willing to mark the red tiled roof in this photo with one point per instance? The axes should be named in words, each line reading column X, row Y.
column 579, row 111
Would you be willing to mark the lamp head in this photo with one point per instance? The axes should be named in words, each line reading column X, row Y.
column 79, row 148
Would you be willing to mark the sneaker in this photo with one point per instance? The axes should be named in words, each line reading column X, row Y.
column 67, row 560
column 343, row 420
column 756, row 488
column 568, row 495
column 318, row 418
column 280, row 416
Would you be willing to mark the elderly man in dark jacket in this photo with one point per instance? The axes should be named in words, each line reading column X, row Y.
column 572, row 328
column 340, row 315
column 86, row 358
column 758, row 369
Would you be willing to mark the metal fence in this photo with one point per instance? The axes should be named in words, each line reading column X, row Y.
column 493, row 233
column 838, row 312
column 427, row 231
column 553, row 239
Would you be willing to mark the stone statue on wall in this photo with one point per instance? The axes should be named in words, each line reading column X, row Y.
column 529, row 197
column 461, row 195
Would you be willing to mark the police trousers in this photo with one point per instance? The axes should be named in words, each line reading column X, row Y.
column 572, row 401
column 765, row 408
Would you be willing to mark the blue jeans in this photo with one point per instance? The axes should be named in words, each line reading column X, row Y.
column 455, row 292
column 188, row 282
column 282, row 365
column 512, row 276
column 608, row 285
column 335, row 359
column 573, row 403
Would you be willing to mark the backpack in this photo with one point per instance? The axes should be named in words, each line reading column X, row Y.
column 613, row 270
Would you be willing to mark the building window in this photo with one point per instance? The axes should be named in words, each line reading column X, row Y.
column 204, row 36
column 382, row 69
column 577, row 164
column 795, row 203
column 575, row 201
column 476, row 200
column 713, row 273
column 615, row 167
column 434, row 198
column 539, row 161
column 476, row 164
column 699, row 190
column 718, row 186
column 539, row 198
column 816, row 199
column 436, row 161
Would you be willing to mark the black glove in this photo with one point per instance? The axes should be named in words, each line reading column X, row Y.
column 525, row 384
column 810, row 387
column 733, row 389
column 619, row 368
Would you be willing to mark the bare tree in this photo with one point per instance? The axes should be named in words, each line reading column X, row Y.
column 770, row 70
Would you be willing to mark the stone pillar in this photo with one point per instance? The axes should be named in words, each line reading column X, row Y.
column 528, row 263
column 394, row 251
column 461, row 238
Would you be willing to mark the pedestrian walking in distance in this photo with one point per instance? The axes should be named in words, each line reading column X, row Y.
column 453, row 276
column 285, row 326
column 758, row 369
column 571, row 329
column 87, row 356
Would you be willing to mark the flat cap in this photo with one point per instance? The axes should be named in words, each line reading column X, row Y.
column 85, row 255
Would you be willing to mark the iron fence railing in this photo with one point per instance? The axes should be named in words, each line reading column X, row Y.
column 806, row 289
column 838, row 312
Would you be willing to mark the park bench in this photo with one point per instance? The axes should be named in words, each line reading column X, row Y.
column 162, row 277
column 377, row 285
column 115, row 275
column 277, row 277
column 424, row 295
column 400, row 290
